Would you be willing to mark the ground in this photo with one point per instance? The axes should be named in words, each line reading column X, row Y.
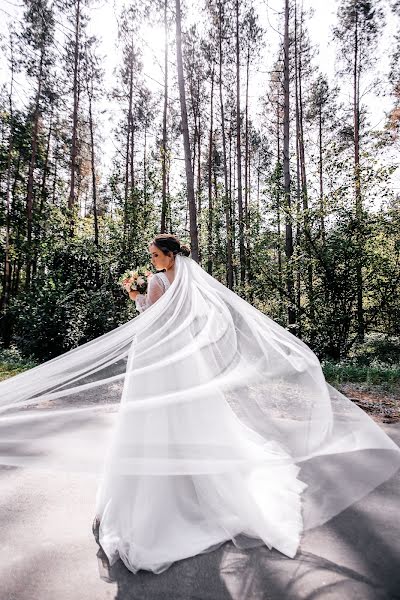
column 48, row 552
column 382, row 405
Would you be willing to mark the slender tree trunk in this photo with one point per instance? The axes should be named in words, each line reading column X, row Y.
column 131, row 124
column 164, row 130
column 321, row 179
column 43, row 193
column 357, row 182
column 218, row 244
column 145, row 166
column 55, row 174
column 230, row 174
column 278, row 207
column 210, row 249
column 199, row 129
column 126, row 186
column 247, row 181
column 16, row 270
column 74, row 144
column 298, row 175
column 246, row 147
column 258, row 188
column 43, row 197
column 31, row 171
column 286, row 174
column 199, row 204
column 132, row 176
column 93, row 165
column 304, row 187
column 242, row 253
column 232, row 179
column 192, row 96
column 128, row 153
column 186, row 139
column 322, row 199
column 226, row 199
column 5, row 298
column 169, row 208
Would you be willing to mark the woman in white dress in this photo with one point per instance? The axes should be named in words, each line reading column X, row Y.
column 230, row 482
column 150, row 521
column 225, row 428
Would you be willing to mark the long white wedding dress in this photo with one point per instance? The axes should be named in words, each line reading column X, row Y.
column 150, row 521
column 204, row 420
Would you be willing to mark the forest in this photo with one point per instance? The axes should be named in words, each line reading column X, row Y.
column 274, row 171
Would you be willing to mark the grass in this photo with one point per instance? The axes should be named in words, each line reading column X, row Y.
column 11, row 363
column 384, row 376
column 374, row 388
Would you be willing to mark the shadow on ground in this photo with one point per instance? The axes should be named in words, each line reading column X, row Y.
column 47, row 551
column 354, row 557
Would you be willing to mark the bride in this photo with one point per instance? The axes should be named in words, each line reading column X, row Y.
column 154, row 519
column 208, row 476
column 204, row 419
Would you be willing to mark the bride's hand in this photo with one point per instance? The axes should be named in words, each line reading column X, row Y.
column 133, row 294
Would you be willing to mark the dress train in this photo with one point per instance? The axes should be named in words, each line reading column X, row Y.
column 151, row 521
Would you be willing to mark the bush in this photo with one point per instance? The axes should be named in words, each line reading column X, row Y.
column 12, row 362
column 74, row 301
column 377, row 349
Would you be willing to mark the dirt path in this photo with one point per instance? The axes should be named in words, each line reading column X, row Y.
column 382, row 406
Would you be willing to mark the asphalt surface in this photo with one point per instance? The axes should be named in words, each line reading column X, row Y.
column 48, row 552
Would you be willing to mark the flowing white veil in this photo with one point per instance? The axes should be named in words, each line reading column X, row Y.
column 205, row 359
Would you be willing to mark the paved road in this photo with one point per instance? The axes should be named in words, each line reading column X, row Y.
column 47, row 552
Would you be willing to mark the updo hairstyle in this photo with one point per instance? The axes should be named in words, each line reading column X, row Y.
column 168, row 242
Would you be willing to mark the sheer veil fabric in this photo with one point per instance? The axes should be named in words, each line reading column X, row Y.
column 204, row 420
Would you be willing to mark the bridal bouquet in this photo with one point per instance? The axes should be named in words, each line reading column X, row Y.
column 135, row 280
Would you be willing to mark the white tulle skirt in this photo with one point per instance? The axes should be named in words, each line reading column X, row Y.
column 151, row 521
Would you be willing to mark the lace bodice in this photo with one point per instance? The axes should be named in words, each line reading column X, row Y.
column 158, row 284
column 165, row 279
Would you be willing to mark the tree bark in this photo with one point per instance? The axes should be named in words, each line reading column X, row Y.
column 93, row 166
column 278, row 206
column 304, row 187
column 357, row 182
column 74, row 144
column 145, row 166
column 186, row 139
column 226, row 199
column 286, row 173
column 242, row 253
column 5, row 298
column 321, row 179
column 298, row 175
column 164, row 129
column 129, row 167
column 210, row 250
column 31, row 171
column 43, row 193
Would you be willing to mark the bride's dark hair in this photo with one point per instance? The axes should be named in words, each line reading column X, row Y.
column 168, row 242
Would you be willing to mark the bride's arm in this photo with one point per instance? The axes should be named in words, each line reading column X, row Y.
column 154, row 291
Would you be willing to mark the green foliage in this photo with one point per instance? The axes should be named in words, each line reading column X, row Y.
column 337, row 373
column 75, row 298
column 377, row 349
column 376, row 363
column 12, row 362
column 62, row 288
